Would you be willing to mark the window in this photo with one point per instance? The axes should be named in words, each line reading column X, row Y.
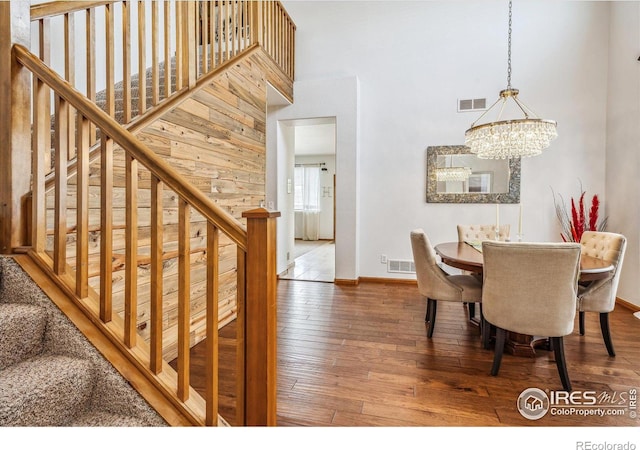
column 306, row 188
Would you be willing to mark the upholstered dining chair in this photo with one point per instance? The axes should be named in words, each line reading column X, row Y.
column 531, row 288
column 435, row 284
column 482, row 232
column 600, row 295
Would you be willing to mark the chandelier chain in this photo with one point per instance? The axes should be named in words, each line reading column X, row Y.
column 509, row 51
column 513, row 138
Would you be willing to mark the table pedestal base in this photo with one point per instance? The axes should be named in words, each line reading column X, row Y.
column 524, row 345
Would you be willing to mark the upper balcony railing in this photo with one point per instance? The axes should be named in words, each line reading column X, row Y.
column 147, row 52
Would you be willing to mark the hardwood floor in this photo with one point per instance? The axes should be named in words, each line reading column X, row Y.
column 357, row 356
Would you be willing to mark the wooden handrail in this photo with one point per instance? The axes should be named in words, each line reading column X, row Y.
column 159, row 167
column 57, row 8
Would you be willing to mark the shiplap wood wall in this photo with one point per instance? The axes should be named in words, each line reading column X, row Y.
column 216, row 139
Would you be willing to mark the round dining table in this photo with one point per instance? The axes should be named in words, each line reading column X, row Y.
column 465, row 256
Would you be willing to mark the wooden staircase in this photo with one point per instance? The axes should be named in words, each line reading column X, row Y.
column 146, row 217
column 50, row 375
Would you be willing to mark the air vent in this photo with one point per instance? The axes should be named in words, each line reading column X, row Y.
column 401, row 266
column 472, row 104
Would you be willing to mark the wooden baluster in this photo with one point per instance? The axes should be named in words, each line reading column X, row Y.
column 41, row 145
column 221, row 37
column 155, row 48
column 204, row 36
column 179, row 44
column 211, row 395
column 44, row 52
column 260, row 318
column 212, row 34
column 70, row 76
column 278, row 34
column 270, row 28
column 234, row 28
column 156, row 275
column 228, row 31
column 106, row 228
column 243, row 23
column 184, row 302
column 285, row 45
column 110, row 61
column 167, row 49
column 90, row 29
column 142, row 57
column 131, row 252
column 60, row 220
column 190, row 68
column 126, row 62
column 82, row 207
column 241, row 325
column 293, row 52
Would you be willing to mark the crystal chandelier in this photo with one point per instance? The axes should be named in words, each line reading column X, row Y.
column 452, row 173
column 513, row 138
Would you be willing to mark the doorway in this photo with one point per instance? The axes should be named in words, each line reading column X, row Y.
column 313, row 186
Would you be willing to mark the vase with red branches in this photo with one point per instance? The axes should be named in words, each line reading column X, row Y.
column 578, row 218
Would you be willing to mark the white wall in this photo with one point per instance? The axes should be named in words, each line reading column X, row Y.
column 414, row 60
column 623, row 140
column 332, row 97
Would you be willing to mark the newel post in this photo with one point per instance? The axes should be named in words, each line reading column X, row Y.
column 260, row 318
column 15, row 124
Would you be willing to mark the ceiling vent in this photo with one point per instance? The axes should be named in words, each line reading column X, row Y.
column 401, row 266
column 472, row 104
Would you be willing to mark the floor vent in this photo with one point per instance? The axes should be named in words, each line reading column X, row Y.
column 401, row 266
column 472, row 104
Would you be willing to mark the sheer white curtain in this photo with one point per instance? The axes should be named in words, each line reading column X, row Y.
column 308, row 200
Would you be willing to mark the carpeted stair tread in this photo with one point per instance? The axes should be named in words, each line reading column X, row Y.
column 106, row 419
column 22, row 329
column 45, row 391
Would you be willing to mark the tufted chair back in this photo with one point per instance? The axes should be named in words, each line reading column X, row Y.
column 530, row 288
column 482, row 232
column 600, row 296
column 432, row 280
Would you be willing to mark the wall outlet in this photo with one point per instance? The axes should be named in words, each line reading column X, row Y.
column 383, row 259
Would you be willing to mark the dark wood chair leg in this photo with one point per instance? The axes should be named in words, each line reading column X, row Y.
column 581, row 322
column 426, row 317
column 472, row 310
column 485, row 333
column 432, row 305
column 606, row 333
column 558, row 350
column 499, row 350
